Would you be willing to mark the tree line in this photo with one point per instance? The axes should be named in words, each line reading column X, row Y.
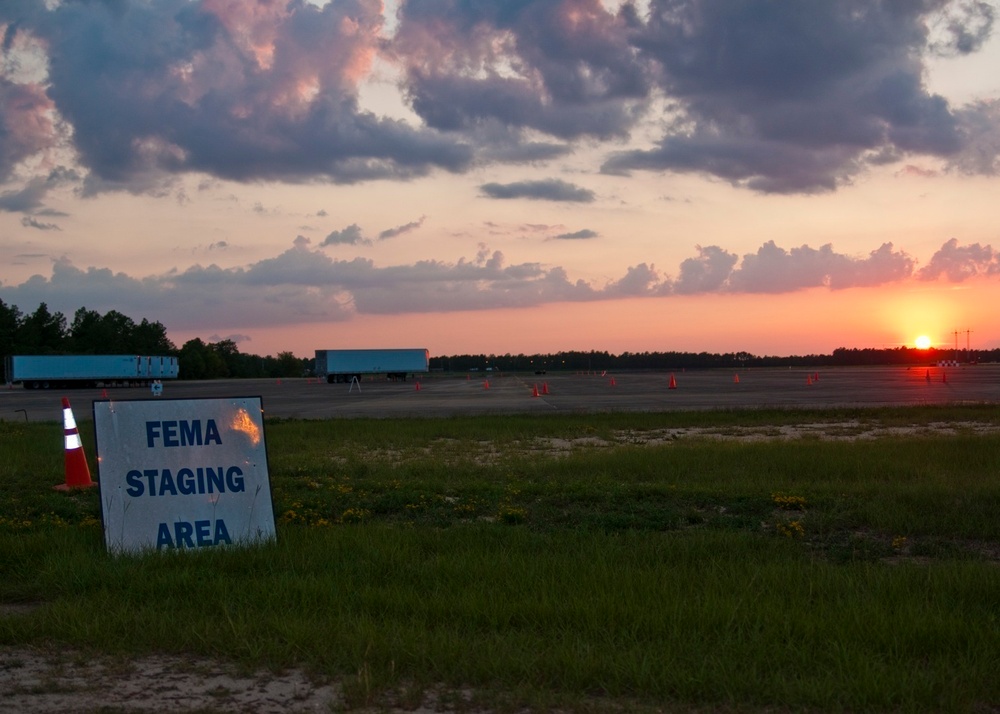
column 579, row 361
column 44, row 332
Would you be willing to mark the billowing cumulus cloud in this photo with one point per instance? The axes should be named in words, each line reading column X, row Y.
column 548, row 190
column 639, row 281
column 304, row 285
column 707, row 272
column 958, row 263
column 776, row 270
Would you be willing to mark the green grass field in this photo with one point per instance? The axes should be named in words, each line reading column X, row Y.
column 583, row 562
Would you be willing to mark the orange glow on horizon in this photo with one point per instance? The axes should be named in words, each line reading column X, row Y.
column 922, row 343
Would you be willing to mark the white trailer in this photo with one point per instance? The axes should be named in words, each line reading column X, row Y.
column 45, row 371
column 347, row 365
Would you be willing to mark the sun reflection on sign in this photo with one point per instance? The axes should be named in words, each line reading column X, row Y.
column 243, row 422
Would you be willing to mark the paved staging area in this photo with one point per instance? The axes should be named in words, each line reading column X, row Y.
column 478, row 393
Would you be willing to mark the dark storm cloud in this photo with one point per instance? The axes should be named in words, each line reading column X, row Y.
column 238, row 90
column 548, row 190
column 565, row 68
column 775, row 97
column 795, row 97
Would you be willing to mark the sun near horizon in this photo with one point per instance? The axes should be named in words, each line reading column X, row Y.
column 922, row 343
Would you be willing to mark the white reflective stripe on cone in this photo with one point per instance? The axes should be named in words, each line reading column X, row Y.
column 73, row 442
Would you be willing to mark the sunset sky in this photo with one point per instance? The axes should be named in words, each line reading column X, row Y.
column 494, row 176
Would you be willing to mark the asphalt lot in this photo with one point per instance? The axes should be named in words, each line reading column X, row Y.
column 441, row 395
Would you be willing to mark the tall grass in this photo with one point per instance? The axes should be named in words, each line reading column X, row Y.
column 805, row 575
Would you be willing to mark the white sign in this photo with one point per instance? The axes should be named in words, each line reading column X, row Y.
column 183, row 473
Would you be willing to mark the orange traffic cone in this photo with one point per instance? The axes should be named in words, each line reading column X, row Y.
column 944, row 376
column 545, row 387
column 736, row 379
column 809, row 379
column 927, row 376
column 613, row 382
column 534, row 391
column 418, row 386
column 673, row 382
column 77, row 471
column 486, row 384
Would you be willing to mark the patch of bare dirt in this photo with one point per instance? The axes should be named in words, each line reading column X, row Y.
column 824, row 431
column 37, row 682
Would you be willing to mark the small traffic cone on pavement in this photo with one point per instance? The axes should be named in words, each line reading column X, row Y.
column 927, row 376
column 944, row 376
column 809, row 379
column 534, row 390
column 486, row 384
column 418, row 386
column 613, row 382
column 673, row 383
column 545, row 387
column 77, row 471
column 736, row 379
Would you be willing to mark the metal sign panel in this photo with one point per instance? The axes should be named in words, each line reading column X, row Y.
column 183, row 473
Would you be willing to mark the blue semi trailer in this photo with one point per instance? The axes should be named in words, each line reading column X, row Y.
column 345, row 365
column 52, row 371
